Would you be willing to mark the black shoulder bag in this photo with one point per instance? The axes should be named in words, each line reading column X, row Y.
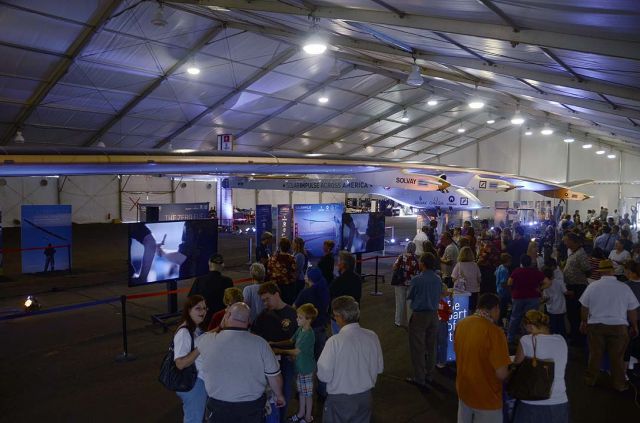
column 398, row 275
column 173, row 378
column 532, row 379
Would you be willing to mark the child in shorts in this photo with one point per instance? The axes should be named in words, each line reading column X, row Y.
column 304, row 341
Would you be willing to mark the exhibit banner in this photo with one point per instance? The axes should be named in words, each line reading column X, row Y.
column 172, row 212
column 460, row 310
column 284, row 230
column 46, row 238
column 316, row 223
column 264, row 221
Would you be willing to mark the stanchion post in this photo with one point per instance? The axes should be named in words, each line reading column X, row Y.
column 124, row 356
column 375, row 291
column 250, row 249
column 69, row 257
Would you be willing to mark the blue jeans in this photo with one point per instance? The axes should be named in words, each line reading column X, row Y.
column 518, row 310
column 194, row 402
column 529, row 413
column 288, row 371
column 442, row 342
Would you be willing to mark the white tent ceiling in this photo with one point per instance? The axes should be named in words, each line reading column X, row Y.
column 86, row 72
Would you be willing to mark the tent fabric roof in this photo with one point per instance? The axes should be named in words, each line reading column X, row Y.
column 92, row 72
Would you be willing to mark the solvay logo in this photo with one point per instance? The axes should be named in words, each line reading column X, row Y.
column 411, row 181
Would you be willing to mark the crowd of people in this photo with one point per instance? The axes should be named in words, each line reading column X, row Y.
column 253, row 348
column 296, row 327
column 530, row 282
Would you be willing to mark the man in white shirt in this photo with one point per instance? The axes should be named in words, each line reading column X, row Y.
column 608, row 308
column 349, row 364
column 419, row 239
column 236, row 366
column 618, row 256
column 449, row 257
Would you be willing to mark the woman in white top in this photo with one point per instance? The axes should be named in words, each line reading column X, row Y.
column 193, row 313
column 466, row 272
column 618, row 256
column 548, row 347
column 250, row 292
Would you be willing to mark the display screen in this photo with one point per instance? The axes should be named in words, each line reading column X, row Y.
column 363, row 232
column 316, row 223
column 165, row 251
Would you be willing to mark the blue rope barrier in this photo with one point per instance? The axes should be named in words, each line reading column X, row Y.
column 60, row 308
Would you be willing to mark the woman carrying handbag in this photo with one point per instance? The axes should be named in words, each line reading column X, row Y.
column 466, row 276
column 541, row 351
column 184, row 356
column 404, row 268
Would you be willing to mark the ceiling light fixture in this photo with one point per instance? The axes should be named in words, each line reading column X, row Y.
column 568, row 139
column 324, row 98
column 587, row 146
column 432, row 103
column 158, row 17
column 517, row 118
column 193, row 70
column 405, row 117
column 315, row 44
column 600, row 152
column 18, row 137
column 546, row 129
column 476, row 103
column 611, row 156
column 414, row 79
column 528, row 132
column 461, row 130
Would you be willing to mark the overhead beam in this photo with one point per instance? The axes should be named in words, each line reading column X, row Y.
column 210, row 35
column 426, row 135
column 84, row 38
column 478, row 63
column 277, row 61
column 500, row 13
column 431, row 115
column 477, row 141
column 450, row 139
column 381, row 116
column 333, row 115
column 551, row 55
column 564, row 41
column 296, row 101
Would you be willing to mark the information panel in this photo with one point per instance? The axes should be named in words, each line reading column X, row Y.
column 46, row 238
column 316, row 223
column 460, row 309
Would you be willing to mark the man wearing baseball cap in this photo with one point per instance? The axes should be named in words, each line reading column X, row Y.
column 608, row 309
column 211, row 286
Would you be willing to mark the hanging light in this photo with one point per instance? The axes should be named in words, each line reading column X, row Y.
column 335, row 69
column 193, row 70
column 405, row 117
column 528, row 132
column 18, row 137
column 476, row 103
column 600, row 151
column 568, row 139
column 101, row 144
column 315, row 44
column 611, row 156
column 517, row 118
column 546, row 129
column 432, row 103
column 158, row 17
column 324, row 98
column 461, row 130
column 587, row 146
column 414, row 79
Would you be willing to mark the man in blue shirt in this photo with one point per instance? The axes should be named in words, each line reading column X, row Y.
column 424, row 293
column 606, row 241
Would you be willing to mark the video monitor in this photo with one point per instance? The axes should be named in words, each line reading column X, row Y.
column 165, row 251
column 363, row 232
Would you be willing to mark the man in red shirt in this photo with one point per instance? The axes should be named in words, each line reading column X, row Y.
column 526, row 285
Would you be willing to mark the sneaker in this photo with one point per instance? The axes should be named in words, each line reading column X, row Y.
column 295, row 418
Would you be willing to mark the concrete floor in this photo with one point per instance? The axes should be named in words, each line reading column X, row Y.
column 61, row 367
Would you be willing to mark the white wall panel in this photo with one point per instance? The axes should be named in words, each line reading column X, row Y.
column 465, row 157
column 333, row 197
column 302, row 197
column 273, row 197
column 500, row 153
column 14, row 192
column 143, row 190
column 244, row 198
column 92, row 198
column 195, row 192
column 544, row 157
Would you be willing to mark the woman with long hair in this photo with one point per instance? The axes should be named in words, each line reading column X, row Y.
column 302, row 262
column 466, row 275
column 185, row 354
column 547, row 347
